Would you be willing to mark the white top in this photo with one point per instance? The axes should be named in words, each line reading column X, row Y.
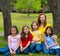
column 14, row 41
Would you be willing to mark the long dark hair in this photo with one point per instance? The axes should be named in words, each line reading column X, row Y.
column 39, row 21
column 15, row 28
column 22, row 33
column 32, row 25
column 50, row 29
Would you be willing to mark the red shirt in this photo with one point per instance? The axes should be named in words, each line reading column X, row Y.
column 26, row 40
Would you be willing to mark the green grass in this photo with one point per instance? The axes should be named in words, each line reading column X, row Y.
column 19, row 20
column 2, row 43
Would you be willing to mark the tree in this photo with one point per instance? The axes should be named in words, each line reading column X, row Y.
column 12, row 5
column 43, row 5
column 55, row 9
column 5, row 7
column 29, row 5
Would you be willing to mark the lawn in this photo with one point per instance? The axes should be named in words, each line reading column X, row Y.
column 19, row 20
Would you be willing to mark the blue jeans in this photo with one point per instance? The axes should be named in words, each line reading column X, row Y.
column 44, row 48
column 26, row 51
column 35, row 47
column 38, row 47
column 6, row 51
column 3, row 50
column 55, row 51
column 32, row 48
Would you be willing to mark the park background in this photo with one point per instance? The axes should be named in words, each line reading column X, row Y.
column 24, row 12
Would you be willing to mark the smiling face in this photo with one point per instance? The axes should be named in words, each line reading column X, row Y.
column 34, row 26
column 13, row 31
column 26, row 30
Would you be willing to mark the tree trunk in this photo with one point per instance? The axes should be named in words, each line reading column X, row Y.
column 55, row 9
column 28, row 12
column 6, row 16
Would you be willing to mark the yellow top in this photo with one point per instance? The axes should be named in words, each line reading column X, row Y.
column 36, row 35
column 42, row 30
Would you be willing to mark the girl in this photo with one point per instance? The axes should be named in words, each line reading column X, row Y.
column 51, row 44
column 26, row 38
column 36, row 42
column 13, row 42
column 42, row 24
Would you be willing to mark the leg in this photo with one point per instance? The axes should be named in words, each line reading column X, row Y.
column 52, row 51
column 38, row 47
column 32, row 45
column 44, row 49
column 26, row 51
column 18, row 51
column 7, row 53
column 32, row 48
column 58, row 51
column 5, row 49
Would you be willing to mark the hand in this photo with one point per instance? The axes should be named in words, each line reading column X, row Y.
column 21, row 49
column 14, row 52
column 24, row 48
column 11, row 51
column 47, row 47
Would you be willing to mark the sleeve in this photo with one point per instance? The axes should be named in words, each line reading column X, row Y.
column 49, row 25
column 31, row 37
column 9, row 37
column 19, row 36
column 44, row 36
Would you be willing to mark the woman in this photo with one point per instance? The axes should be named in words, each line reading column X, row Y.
column 42, row 24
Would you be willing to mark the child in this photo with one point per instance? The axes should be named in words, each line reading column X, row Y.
column 26, row 38
column 36, row 42
column 13, row 42
column 51, row 45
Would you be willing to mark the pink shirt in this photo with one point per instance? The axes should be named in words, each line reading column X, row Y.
column 14, row 41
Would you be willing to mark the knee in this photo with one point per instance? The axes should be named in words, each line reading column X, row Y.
column 46, row 51
column 2, row 50
column 32, row 45
column 38, row 48
column 33, row 51
column 26, row 51
column 18, row 52
column 7, row 54
column 51, row 51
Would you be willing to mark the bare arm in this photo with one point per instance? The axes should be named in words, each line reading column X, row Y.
column 9, row 44
column 45, row 43
column 27, row 45
column 47, row 47
column 55, row 41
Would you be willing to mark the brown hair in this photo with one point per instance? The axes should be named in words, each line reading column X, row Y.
column 15, row 28
column 32, row 25
column 49, row 27
column 39, row 21
column 22, row 33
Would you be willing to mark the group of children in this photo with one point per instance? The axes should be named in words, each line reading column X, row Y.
column 39, row 39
